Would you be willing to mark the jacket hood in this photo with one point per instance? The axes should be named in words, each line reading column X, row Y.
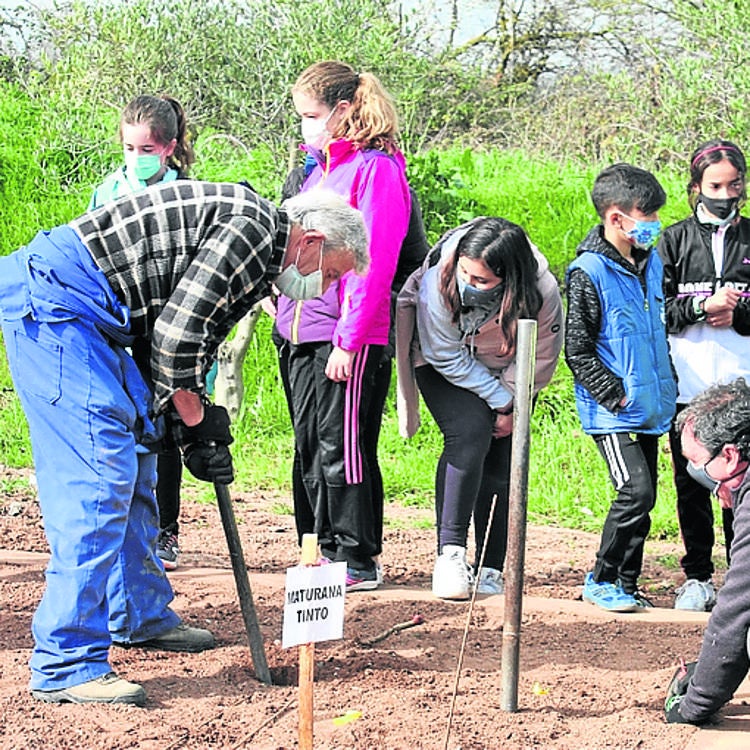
column 595, row 242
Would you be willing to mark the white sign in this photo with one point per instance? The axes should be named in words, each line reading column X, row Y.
column 314, row 604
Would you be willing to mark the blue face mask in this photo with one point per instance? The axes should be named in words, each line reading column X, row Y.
column 292, row 283
column 644, row 234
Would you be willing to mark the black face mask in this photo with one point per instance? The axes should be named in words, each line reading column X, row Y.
column 721, row 208
column 487, row 299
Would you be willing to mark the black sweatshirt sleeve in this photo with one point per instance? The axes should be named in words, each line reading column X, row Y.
column 582, row 328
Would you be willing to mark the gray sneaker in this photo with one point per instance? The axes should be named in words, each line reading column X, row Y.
column 108, row 688
column 168, row 549
column 490, row 581
column 696, row 596
column 182, row 638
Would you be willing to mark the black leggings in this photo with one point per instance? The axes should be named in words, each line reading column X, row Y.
column 473, row 467
column 168, row 481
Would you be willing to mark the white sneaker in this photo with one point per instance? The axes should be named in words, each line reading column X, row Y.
column 452, row 577
column 696, row 596
column 490, row 581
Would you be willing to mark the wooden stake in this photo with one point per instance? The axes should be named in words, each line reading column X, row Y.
column 309, row 556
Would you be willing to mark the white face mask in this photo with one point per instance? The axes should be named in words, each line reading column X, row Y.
column 294, row 285
column 314, row 131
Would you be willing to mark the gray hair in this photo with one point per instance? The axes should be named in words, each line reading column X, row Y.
column 720, row 416
column 328, row 213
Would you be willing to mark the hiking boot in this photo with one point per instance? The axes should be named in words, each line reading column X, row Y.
column 696, row 596
column 490, row 581
column 168, row 549
column 361, row 580
column 108, row 688
column 608, row 596
column 452, row 577
column 181, row 638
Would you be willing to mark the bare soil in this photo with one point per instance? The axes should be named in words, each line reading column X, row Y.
column 586, row 680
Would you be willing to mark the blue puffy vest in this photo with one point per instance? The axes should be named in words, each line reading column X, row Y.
column 633, row 344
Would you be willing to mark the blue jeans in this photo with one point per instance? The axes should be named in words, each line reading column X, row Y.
column 96, row 492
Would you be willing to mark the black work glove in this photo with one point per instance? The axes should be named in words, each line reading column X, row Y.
column 213, row 428
column 209, row 461
column 676, row 692
column 204, row 446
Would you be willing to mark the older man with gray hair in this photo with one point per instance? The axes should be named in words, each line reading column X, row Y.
column 109, row 322
column 715, row 435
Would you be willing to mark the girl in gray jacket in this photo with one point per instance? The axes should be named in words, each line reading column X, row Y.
column 467, row 300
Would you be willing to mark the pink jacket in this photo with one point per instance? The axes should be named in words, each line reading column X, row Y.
column 356, row 311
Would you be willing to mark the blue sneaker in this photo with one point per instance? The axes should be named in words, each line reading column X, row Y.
column 608, row 596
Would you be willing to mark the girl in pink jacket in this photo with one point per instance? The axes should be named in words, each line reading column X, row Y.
column 339, row 365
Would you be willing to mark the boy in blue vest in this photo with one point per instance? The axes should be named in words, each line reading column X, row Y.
column 616, row 347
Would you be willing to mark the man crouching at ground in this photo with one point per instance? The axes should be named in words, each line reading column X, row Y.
column 108, row 323
column 715, row 434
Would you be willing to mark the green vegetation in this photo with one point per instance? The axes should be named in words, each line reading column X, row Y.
column 568, row 482
column 492, row 125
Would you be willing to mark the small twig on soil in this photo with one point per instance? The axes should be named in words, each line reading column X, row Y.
column 416, row 620
column 186, row 733
column 468, row 623
column 269, row 720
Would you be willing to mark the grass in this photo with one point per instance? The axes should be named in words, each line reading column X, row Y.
column 282, row 509
column 409, row 523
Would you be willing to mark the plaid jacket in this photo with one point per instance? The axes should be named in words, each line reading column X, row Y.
column 189, row 259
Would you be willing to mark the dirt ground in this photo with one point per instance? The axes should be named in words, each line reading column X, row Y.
column 585, row 681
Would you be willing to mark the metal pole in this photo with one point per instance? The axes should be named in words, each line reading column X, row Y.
column 519, row 485
column 242, row 582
